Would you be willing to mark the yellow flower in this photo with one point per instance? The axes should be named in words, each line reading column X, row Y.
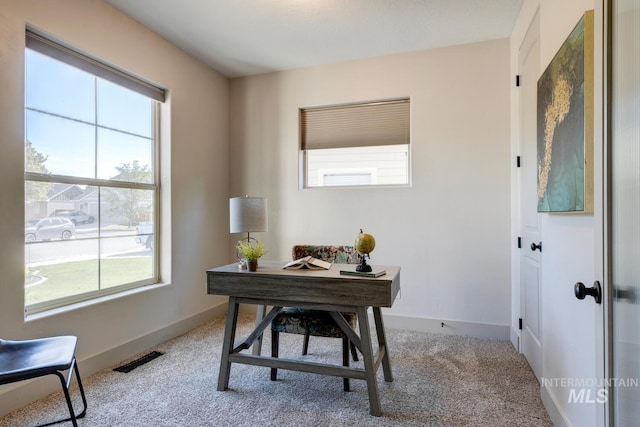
column 250, row 250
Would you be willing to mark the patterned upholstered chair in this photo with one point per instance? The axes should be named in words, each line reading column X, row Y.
column 316, row 322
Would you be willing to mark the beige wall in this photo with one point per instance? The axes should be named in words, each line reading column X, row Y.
column 195, row 183
column 450, row 230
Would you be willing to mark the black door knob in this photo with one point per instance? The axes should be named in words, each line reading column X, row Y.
column 538, row 246
column 595, row 291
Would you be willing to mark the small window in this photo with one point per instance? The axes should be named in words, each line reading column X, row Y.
column 91, row 177
column 351, row 145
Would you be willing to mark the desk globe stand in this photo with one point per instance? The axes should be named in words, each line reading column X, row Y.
column 363, row 266
column 364, row 244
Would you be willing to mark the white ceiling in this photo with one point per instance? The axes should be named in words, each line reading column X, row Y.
column 246, row 37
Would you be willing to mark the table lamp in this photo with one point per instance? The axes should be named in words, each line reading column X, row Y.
column 247, row 215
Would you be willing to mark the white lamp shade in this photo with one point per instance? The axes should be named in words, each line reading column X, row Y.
column 247, row 214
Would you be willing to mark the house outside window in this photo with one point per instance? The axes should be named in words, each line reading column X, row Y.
column 91, row 177
column 356, row 145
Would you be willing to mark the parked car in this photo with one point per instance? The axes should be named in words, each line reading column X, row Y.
column 145, row 234
column 76, row 217
column 48, row 228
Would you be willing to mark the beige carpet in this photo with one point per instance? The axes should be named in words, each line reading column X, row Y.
column 439, row 380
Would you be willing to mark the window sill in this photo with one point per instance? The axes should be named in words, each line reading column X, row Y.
column 99, row 300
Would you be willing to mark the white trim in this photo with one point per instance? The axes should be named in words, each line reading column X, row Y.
column 451, row 327
column 515, row 338
column 63, row 305
column 558, row 418
column 424, row 324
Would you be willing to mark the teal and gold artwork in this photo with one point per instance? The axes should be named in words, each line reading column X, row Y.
column 565, row 125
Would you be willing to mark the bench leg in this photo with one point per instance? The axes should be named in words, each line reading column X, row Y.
column 275, row 341
column 305, row 343
column 345, row 361
column 354, row 353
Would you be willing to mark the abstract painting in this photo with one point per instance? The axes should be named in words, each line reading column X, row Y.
column 565, row 125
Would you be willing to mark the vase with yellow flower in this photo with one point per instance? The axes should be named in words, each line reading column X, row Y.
column 250, row 251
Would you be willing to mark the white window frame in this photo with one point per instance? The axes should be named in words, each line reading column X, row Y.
column 359, row 126
column 68, row 55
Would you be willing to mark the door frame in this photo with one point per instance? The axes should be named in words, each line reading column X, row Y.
column 530, row 40
column 601, row 190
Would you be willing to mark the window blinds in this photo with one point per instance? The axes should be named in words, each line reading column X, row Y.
column 69, row 56
column 355, row 125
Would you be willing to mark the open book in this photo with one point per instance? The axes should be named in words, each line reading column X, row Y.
column 308, row 262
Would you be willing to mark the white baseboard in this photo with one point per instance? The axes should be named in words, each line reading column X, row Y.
column 103, row 360
column 17, row 395
column 444, row 326
column 424, row 324
column 553, row 409
column 515, row 339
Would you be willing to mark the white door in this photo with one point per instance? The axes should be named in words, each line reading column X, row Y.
column 561, row 337
column 625, row 211
column 572, row 329
column 530, row 230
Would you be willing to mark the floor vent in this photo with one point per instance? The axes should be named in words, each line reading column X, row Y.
column 128, row 367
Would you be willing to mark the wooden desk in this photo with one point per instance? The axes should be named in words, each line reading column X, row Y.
column 326, row 290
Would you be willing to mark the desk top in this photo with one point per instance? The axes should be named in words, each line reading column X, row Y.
column 273, row 284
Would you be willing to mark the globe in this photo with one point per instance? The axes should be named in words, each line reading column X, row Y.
column 365, row 243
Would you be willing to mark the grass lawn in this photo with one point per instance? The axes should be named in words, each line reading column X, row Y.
column 78, row 277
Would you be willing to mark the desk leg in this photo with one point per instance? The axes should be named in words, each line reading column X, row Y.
column 369, row 366
column 227, row 345
column 382, row 343
column 257, row 346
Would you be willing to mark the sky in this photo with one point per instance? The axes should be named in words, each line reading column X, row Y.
column 74, row 117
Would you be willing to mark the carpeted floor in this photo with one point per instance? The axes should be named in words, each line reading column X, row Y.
column 439, row 380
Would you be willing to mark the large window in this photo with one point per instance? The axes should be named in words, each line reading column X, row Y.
column 364, row 144
column 91, row 177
